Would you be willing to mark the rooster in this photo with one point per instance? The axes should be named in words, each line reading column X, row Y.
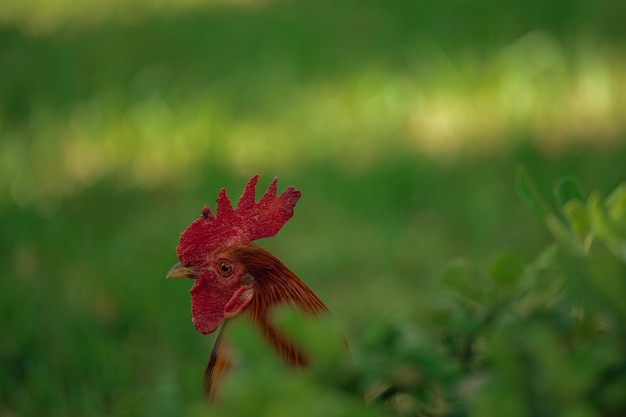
column 234, row 277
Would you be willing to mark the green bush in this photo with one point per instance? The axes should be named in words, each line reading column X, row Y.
column 540, row 338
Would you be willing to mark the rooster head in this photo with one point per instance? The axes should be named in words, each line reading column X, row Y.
column 223, row 287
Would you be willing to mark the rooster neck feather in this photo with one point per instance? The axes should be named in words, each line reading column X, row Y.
column 274, row 284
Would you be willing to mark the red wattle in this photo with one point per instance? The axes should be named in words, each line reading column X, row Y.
column 207, row 306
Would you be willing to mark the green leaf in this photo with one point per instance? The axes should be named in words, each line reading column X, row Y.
column 616, row 206
column 575, row 214
column 568, row 189
column 563, row 235
column 603, row 227
column 459, row 277
column 528, row 193
column 598, row 216
column 546, row 258
column 506, row 269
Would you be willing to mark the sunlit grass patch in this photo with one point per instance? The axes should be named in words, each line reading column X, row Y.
column 555, row 94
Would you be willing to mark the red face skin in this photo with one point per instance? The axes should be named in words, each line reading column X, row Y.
column 222, row 290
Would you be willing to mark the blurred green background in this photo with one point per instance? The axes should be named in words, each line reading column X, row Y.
column 401, row 122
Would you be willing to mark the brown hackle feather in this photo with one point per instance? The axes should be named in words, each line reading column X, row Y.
column 274, row 285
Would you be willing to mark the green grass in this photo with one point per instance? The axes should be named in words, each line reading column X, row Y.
column 92, row 325
column 401, row 123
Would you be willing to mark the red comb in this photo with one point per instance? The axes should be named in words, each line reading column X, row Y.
column 249, row 221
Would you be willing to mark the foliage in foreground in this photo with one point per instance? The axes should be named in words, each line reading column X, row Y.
column 544, row 337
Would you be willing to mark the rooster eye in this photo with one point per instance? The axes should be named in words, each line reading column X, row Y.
column 225, row 268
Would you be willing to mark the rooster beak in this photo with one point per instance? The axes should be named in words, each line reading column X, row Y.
column 181, row 271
